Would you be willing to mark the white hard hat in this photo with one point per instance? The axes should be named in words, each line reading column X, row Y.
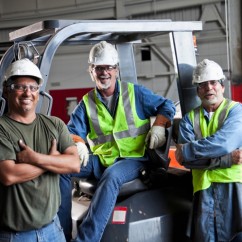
column 103, row 53
column 23, row 67
column 207, row 70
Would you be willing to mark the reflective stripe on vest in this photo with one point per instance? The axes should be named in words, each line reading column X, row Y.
column 199, row 110
column 132, row 131
column 202, row 179
column 122, row 136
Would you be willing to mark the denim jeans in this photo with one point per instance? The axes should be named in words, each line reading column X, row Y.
column 217, row 213
column 52, row 232
column 65, row 207
column 109, row 182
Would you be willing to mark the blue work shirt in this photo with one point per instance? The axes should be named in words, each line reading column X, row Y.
column 147, row 103
column 227, row 139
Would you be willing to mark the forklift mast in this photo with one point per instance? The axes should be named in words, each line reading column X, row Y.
column 51, row 34
column 168, row 210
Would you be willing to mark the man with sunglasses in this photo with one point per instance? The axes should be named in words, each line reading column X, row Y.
column 210, row 137
column 115, row 119
column 34, row 150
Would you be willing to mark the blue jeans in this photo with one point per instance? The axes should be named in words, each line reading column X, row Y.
column 217, row 213
column 52, row 232
column 65, row 207
column 109, row 182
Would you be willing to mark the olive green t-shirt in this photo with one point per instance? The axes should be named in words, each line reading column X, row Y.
column 32, row 204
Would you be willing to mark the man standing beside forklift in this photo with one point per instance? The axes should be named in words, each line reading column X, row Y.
column 211, row 131
column 115, row 119
column 35, row 149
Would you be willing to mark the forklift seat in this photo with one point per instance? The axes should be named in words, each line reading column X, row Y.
column 159, row 164
column 88, row 186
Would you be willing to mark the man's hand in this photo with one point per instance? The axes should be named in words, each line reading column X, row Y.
column 156, row 137
column 83, row 153
column 82, row 149
column 26, row 155
column 178, row 154
column 53, row 148
column 237, row 157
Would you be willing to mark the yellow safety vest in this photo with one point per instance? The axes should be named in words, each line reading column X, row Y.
column 121, row 136
column 202, row 179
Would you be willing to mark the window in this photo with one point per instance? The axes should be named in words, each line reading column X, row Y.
column 145, row 53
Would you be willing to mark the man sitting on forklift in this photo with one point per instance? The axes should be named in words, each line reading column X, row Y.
column 115, row 119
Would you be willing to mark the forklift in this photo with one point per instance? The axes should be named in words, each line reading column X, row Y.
column 156, row 206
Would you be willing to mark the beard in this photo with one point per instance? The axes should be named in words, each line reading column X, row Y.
column 104, row 82
column 210, row 101
column 214, row 100
column 104, row 86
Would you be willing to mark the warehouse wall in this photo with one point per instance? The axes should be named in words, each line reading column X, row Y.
column 69, row 68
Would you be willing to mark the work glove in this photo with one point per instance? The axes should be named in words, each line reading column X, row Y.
column 83, row 153
column 156, row 137
column 82, row 149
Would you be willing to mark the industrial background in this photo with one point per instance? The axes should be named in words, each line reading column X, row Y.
column 220, row 40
